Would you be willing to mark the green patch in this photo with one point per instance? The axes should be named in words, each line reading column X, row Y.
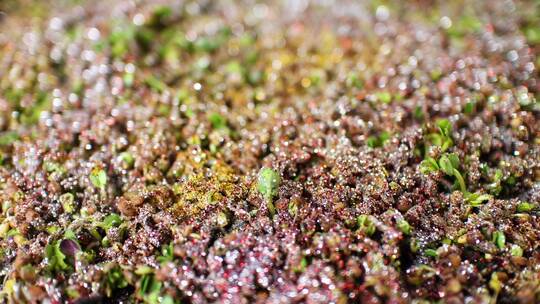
column 98, row 178
column 217, row 121
column 499, row 239
column 167, row 253
column 8, row 138
column 525, row 207
column 378, row 141
column 268, row 185
column 404, row 227
column 114, row 280
column 366, row 225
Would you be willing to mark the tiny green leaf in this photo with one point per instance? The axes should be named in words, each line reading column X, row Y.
column 366, row 225
column 67, row 200
column 525, row 207
column 268, row 183
column 114, row 280
column 476, row 199
column 499, row 239
column 7, row 138
column 428, row 165
column 217, row 121
column 110, row 221
column 127, row 159
column 495, row 283
column 516, row 250
column 446, row 165
column 460, row 180
column 431, row 253
column 98, row 177
column 445, row 127
column 384, row 97
column 167, row 253
column 404, row 226
column 469, row 107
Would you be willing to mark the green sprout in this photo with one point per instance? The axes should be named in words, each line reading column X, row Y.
column 60, row 254
column 366, row 225
column 7, row 138
column 476, row 199
column 469, row 107
column 378, row 141
column 353, row 80
column 110, row 221
column 384, row 97
column 218, row 121
column 429, row 165
column 442, row 139
column 155, row 84
column 404, row 227
column 449, row 164
column 268, row 185
column 431, row 253
column 98, row 177
column 127, row 159
column 516, row 250
column 167, row 253
column 149, row 288
column 495, row 283
column 499, row 239
column 67, row 200
column 114, row 280
column 525, row 207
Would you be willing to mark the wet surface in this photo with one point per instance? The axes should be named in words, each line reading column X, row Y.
column 278, row 152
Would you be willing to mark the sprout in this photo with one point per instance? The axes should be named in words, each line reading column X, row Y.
column 445, row 127
column 114, row 279
column 495, row 283
column 218, row 122
column 67, row 201
column 525, row 207
column 516, row 250
column 268, row 185
column 167, row 253
column 110, row 221
column 431, row 253
column 127, row 159
column 98, row 177
column 476, row 199
column 366, row 225
column 404, row 226
column 429, row 165
column 59, row 254
column 499, row 239
column 374, row 141
column 384, row 97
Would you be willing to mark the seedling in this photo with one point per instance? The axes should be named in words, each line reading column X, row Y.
column 499, row 239
column 404, row 227
column 268, row 185
column 366, row 225
column 98, row 178
column 442, row 139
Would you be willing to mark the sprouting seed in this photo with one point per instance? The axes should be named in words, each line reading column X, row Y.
column 431, row 253
column 268, row 185
column 404, row 226
column 445, row 127
column 67, row 201
column 516, row 250
column 525, row 207
column 499, row 239
column 98, row 177
column 127, row 159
